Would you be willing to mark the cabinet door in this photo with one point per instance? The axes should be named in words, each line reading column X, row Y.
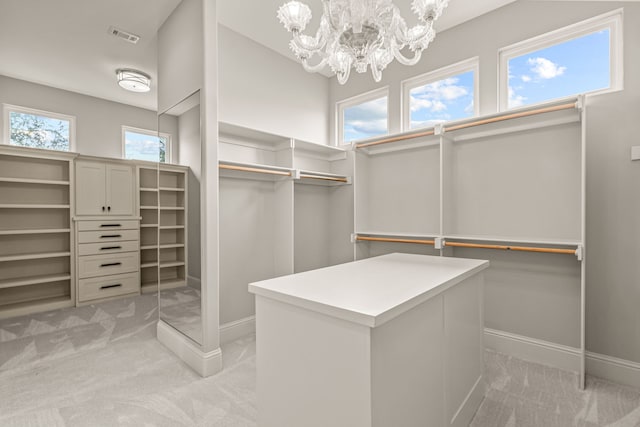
column 90, row 188
column 120, row 191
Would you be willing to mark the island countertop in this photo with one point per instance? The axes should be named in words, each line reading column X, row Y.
column 372, row 291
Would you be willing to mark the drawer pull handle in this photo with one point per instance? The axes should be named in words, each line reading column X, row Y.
column 106, row 248
column 118, row 285
column 111, row 264
column 110, row 225
column 110, row 236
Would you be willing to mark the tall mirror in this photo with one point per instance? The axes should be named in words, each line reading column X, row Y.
column 179, row 275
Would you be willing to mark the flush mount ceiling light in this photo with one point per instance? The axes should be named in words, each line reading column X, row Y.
column 133, row 80
column 359, row 33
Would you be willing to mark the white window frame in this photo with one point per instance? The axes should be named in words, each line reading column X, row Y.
column 353, row 101
column 611, row 21
column 168, row 147
column 471, row 64
column 7, row 109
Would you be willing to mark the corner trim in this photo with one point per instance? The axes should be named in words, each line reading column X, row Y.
column 232, row 331
column 205, row 364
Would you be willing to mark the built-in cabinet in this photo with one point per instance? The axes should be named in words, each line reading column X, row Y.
column 104, row 188
column 36, row 239
column 163, row 212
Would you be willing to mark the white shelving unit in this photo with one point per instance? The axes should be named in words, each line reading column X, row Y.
column 36, row 243
column 285, row 206
column 508, row 187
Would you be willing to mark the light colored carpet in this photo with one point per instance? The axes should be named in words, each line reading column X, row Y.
column 101, row 365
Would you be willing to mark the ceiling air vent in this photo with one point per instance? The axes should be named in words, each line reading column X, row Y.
column 124, row 35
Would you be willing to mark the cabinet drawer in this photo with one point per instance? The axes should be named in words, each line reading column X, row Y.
column 110, row 286
column 102, row 265
column 107, row 248
column 107, row 225
column 107, row 236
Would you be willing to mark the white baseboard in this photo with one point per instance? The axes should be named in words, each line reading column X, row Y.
column 194, row 282
column 534, row 350
column 470, row 405
column 205, row 364
column 610, row 368
column 613, row 369
column 232, row 331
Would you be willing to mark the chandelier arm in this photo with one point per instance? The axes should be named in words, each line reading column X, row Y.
column 326, row 8
column 314, row 68
column 403, row 59
column 302, row 44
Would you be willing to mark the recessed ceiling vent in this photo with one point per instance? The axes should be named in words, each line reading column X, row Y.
column 124, row 35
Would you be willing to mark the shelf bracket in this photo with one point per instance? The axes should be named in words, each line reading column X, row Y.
column 580, row 253
column 439, row 243
column 580, row 102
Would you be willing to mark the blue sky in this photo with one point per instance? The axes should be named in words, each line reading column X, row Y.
column 576, row 66
column 141, row 147
column 441, row 101
column 365, row 120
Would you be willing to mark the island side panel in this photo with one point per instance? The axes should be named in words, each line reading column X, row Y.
column 407, row 368
column 463, row 329
column 312, row 370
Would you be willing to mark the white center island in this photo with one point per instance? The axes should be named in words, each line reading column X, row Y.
column 389, row 341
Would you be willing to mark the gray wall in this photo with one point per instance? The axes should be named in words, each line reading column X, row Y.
column 613, row 204
column 263, row 90
column 98, row 122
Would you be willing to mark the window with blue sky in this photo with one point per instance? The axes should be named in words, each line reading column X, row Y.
column 573, row 67
column 441, row 101
column 139, row 145
column 39, row 129
column 365, row 120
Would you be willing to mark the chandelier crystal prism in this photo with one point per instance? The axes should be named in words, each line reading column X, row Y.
column 359, row 33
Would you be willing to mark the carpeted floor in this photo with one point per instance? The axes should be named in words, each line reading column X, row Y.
column 101, row 365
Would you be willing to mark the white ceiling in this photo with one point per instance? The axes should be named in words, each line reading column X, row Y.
column 65, row 44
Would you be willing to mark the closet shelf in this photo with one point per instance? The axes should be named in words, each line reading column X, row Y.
column 148, row 225
column 148, row 208
column 321, row 178
column 34, row 181
column 404, row 235
column 254, row 171
column 43, row 255
column 171, row 227
column 35, row 231
column 172, row 208
column 147, row 247
column 33, row 280
column 148, row 189
column 517, row 240
column 169, row 264
column 31, row 206
column 168, row 189
column 172, row 245
column 149, row 265
column 26, row 307
column 172, row 283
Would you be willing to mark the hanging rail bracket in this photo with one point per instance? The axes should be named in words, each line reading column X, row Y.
column 580, row 253
column 439, row 243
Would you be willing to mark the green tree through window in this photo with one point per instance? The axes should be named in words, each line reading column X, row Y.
column 35, row 131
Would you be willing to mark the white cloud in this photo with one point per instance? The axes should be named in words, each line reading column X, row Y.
column 435, row 96
column 514, row 99
column 525, row 78
column 545, row 69
column 469, row 108
column 367, row 127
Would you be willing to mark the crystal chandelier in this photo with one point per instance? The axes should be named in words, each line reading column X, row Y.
column 359, row 33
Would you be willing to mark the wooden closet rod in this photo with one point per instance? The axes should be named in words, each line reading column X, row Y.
column 471, row 124
column 257, row 170
column 394, row 240
column 512, row 248
column 511, row 116
column 325, row 178
column 396, row 138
